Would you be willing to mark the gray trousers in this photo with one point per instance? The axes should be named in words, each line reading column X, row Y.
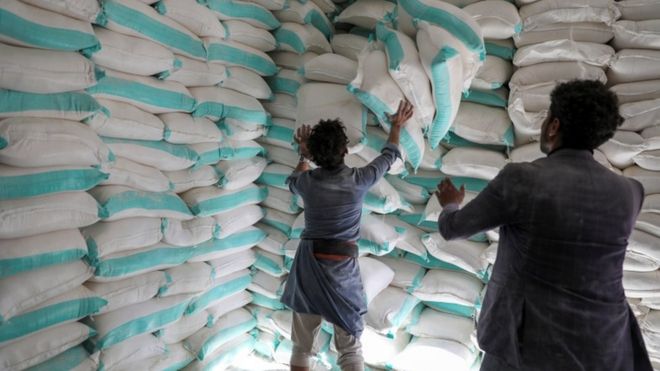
column 303, row 333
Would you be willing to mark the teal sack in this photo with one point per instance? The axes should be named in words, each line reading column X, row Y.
column 31, row 182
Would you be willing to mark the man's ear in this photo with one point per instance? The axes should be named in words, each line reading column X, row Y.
column 554, row 128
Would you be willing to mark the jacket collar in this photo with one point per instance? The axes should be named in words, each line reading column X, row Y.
column 571, row 152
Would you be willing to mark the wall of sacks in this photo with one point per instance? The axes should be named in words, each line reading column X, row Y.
column 144, row 147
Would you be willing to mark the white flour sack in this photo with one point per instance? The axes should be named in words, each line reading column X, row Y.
column 135, row 18
column 637, row 91
column 126, row 121
column 252, row 13
column 183, row 128
column 29, row 253
column 128, row 173
column 229, row 106
column 463, row 254
column 366, row 13
column 234, row 54
column 208, row 201
column 498, row 19
column 119, row 202
column 187, row 278
column 564, row 51
column 493, row 74
column 237, row 174
column 195, row 73
column 452, row 287
column 376, row 276
column 198, row 176
column 348, row 45
column 280, row 133
column 292, row 60
column 649, row 160
column 29, row 289
column 482, row 124
column 598, row 33
column 21, row 182
column 128, row 291
column 380, row 350
column 244, row 33
column 323, row 101
column 330, row 67
column 86, row 10
column 286, row 81
column 376, row 236
column 228, row 327
column 374, row 87
column 639, row 10
column 35, row 215
column 406, row 69
column 637, row 35
column 192, row 15
column 158, row 154
column 233, row 221
column 551, row 73
column 45, row 71
column 188, row 232
column 125, row 354
column 247, row 82
column 424, row 354
column 651, row 137
column 45, row 346
column 640, row 115
column 446, row 70
column 76, row 106
column 545, row 12
column 133, row 320
column 107, row 238
column 26, row 25
column 412, row 236
column 130, row 54
column 459, row 23
column 439, row 325
column 376, row 139
column 622, row 148
column 306, row 13
column 184, row 327
column 649, row 179
column 285, row 106
column 473, row 163
column 298, row 38
column 630, row 65
column 390, row 309
column 147, row 93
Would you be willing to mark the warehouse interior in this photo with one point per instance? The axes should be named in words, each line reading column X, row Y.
column 145, row 218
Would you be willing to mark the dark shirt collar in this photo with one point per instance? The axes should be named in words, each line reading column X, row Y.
column 572, row 152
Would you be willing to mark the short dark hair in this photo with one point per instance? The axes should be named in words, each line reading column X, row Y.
column 327, row 143
column 588, row 113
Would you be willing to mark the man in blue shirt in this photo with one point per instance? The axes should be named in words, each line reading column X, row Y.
column 555, row 300
column 324, row 282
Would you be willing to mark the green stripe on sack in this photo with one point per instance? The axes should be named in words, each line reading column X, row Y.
column 240, row 153
column 217, row 293
column 13, row 266
column 159, row 32
column 320, row 22
column 393, row 47
column 45, row 317
column 487, row 98
column 290, row 38
column 244, row 10
column 224, row 336
column 177, row 150
column 273, row 179
column 140, row 326
column 144, row 200
column 237, row 240
column 267, row 265
column 441, row 95
column 380, row 109
column 374, row 248
column 500, row 51
column 131, row 264
column 226, row 358
column 235, row 56
column 15, row 102
column 281, row 133
column 45, row 37
column 266, row 302
column 68, row 360
column 282, row 85
column 456, row 309
column 143, row 93
column 454, row 25
column 229, row 202
column 47, row 182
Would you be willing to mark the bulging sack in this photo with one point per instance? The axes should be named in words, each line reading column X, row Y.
column 119, row 202
column 20, row 182
column 234, row 54
column 252, row 13
column 297, row 38
column 125, row 172
column 45, row 71
column 27, row 25
column 126, row 121
column 193, row 16
column 75, row 106
column 158, row 154
column 242, row 32
column 498, row 19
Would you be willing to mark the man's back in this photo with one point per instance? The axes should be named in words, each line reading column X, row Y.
column 559, row 265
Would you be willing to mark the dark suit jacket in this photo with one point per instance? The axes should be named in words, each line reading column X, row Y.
column 555, row 300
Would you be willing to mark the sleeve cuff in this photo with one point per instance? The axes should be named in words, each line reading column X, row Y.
column 391, row 147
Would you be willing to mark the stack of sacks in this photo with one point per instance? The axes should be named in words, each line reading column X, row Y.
column 560, row 41
column 48, row 160
column 635, row 78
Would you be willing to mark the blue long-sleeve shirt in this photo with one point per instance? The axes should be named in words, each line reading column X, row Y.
column 333, row 198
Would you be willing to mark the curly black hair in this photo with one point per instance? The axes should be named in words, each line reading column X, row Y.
column 588, row 113
column 327, row 143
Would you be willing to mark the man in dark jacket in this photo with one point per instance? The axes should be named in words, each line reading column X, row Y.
column 555, row 300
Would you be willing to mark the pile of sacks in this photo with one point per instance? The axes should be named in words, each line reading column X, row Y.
column 128, row 163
